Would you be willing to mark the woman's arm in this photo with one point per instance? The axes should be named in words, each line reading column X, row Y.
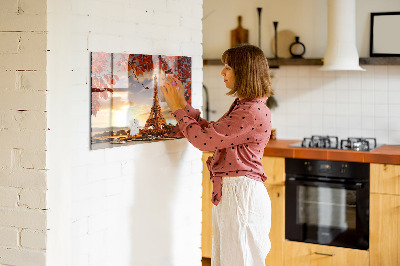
column 174, row 93
column 236, row 129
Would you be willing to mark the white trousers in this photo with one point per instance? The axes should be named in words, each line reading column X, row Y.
column 241, row 223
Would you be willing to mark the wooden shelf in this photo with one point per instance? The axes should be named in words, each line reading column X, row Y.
column 380, row 61
column 274, row 63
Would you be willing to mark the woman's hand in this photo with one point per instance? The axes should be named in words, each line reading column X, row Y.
column 174, row 93
column 181, row 90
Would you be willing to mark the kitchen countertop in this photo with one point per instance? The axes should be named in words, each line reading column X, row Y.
column 389, row 154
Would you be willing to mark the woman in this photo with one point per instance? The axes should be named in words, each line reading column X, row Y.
column 242, row 208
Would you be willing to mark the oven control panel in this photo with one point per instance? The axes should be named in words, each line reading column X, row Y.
column 337, row 169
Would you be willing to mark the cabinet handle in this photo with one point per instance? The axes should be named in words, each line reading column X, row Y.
column 324, row 254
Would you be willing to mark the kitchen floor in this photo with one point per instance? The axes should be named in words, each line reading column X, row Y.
column 206, row 261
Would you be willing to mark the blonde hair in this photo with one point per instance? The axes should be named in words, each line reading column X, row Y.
column 250, row 66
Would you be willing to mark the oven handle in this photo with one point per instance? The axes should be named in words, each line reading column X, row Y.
column 357, row 185
column 324, row 254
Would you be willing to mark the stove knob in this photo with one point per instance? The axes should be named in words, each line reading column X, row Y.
column 308, row 166
column 343, row 168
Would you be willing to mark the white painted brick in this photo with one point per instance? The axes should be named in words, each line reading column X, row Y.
column 196, row 10
column 36, row 7
column 24, row 139
column 97, row 173
column 33, row 199
column 197, row 37
column 155, row 32
column 9, row 42
column 96, row 42
column 98, row 222
column 27, row 61
column 168, row 20
column 33, row 239
column 17, row 256
column 31, row 80
column 197, row 62
column 114, row 186
column 34, row 120
column 8, row 80
column 179, row 7
column 23, row 178
column 8, row 237
column 5, row 158
column 32, row 42
column 33, row 159
column 8, row 6
column 23, row 22
column 191, row 23
column 8, row 197
column 22, row 218
column 79, row 175
column 23, row 100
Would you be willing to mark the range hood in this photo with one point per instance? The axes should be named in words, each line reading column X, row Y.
column 341, row 51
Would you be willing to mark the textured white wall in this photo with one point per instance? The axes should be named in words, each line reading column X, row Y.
column 306, row 18
column 23, row 133
column 133, row 205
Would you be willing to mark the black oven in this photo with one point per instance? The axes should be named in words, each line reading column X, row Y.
column 327, row 202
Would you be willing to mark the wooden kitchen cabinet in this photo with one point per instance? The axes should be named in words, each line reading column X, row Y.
column 277, row 233
column 305, row 254
column 384, row 236
column 206, row 225
column 385, row 215
column 274, row 168
column 385, row 178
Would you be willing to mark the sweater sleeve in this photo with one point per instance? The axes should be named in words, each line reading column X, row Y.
column 193, row 113
column 229, row 131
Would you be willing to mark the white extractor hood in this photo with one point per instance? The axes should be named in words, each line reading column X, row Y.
column 341, row 51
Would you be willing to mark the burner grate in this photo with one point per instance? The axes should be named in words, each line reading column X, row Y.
column 332, row 142
column 327, row 142
column 358, row 144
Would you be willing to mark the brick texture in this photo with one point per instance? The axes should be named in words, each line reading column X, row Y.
column 23, row 125
column 33, row 239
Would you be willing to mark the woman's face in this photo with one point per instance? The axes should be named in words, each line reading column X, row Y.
column 229, row 76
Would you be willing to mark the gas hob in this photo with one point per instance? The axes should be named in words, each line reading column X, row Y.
column 332, row 142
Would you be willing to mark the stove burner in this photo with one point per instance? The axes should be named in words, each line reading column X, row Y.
column 328, row 142
column 358, row 144
column 332, row 142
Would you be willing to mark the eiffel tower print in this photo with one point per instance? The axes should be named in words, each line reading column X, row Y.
column 156, row 124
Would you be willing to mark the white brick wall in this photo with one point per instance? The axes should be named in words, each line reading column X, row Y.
column 23, row 132
column 133, row 205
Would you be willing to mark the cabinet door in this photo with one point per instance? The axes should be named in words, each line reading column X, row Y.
column 277, row 233
column 384, row 230
column 274, row 168
column 206, row 232
column 385, row 178
column 304, row 254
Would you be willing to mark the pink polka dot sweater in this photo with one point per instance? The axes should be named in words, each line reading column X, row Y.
column 238, row 139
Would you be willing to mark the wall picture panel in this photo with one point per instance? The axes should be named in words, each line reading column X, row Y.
column 127, row 104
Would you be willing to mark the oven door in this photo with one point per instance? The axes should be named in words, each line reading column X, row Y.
column 327, row 213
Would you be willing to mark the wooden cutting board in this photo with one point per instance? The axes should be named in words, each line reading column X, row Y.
column 239, row 35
